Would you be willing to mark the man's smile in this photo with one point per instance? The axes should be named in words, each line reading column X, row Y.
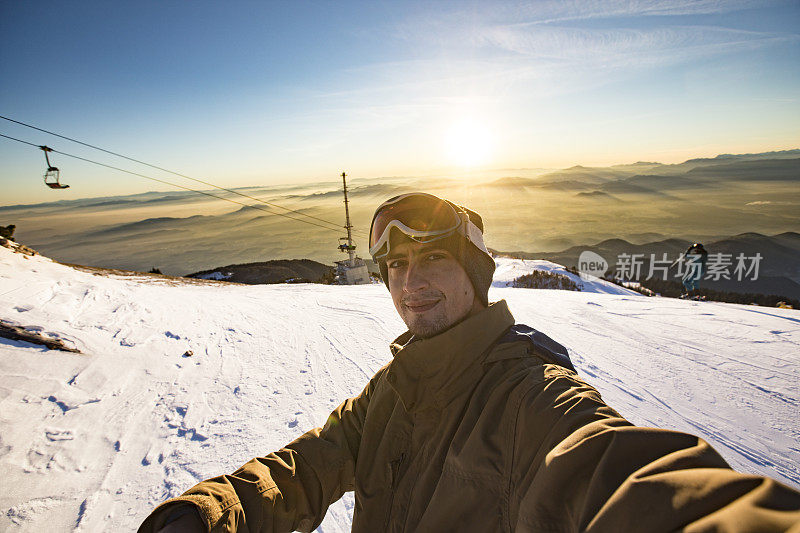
column 421, row 306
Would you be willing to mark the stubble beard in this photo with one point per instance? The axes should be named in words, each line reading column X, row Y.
column 425, row 327
column 428, row 326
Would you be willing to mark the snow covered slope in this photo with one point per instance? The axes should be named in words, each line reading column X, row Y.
column 93, row 442
column 509, row 269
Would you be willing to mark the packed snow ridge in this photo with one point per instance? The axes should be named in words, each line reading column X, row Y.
column 93, row 441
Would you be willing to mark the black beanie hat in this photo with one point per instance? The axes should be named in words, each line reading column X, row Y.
column 478, row 265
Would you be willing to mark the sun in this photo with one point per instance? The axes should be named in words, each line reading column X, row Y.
column 468, row 143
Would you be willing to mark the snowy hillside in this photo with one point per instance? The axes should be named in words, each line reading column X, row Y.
column 509, row 269
column 93, row 441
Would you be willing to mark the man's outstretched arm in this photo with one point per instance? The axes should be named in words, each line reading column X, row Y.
column 288, row 490
column 582, row 467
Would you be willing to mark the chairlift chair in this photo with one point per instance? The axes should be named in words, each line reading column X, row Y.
column 52, row 175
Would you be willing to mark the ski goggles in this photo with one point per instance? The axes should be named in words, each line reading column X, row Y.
column 423, row 218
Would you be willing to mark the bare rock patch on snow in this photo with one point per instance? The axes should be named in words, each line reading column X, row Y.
column 18, row 333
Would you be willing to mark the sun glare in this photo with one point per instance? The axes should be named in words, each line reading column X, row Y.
column 468, row 143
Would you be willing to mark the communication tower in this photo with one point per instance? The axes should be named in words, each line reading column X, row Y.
column 352, row 271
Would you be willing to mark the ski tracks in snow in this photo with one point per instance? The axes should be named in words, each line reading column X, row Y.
column 184, row 381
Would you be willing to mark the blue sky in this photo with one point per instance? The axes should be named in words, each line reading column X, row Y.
column 256, row 93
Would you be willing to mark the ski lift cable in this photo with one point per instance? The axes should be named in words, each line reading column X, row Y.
column 20, row 140
column 176, row 185
column 170, row 171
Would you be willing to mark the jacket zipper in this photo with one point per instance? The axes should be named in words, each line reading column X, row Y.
column 395, row 481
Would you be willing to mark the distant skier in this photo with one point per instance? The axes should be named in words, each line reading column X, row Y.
column 477, row 424
column 695, row 260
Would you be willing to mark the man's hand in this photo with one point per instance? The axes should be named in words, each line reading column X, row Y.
column 188, row 522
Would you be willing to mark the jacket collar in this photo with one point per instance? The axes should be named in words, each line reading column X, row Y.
column 429, row 372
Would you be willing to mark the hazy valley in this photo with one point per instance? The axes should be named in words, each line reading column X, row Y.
column 539, row 212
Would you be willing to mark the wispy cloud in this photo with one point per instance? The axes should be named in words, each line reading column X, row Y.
column 543, row 43
column 500, row 59
column 623, row 46
column 493, row 58
column 575, row 10
column 507, row 59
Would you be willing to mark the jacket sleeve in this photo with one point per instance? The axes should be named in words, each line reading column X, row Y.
column 579, row 466
column 288, row 490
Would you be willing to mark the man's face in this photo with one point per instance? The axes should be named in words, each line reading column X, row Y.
column 429, row 288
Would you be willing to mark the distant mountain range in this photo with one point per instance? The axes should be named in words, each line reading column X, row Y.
column 642, row 203
column 656, row 178
column 779, row 267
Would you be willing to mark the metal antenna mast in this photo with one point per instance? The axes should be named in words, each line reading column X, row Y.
column 353, row 271
column 349, row 248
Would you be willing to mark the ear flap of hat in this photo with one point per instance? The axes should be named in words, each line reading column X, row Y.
column 475, row 218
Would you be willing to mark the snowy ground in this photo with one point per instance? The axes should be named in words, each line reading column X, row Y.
column 93, row 442
column 509, row 269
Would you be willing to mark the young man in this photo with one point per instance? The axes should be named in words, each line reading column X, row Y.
column 477, row 425
column 696, row 258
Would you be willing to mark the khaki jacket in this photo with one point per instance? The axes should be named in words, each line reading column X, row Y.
column 477, row 431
